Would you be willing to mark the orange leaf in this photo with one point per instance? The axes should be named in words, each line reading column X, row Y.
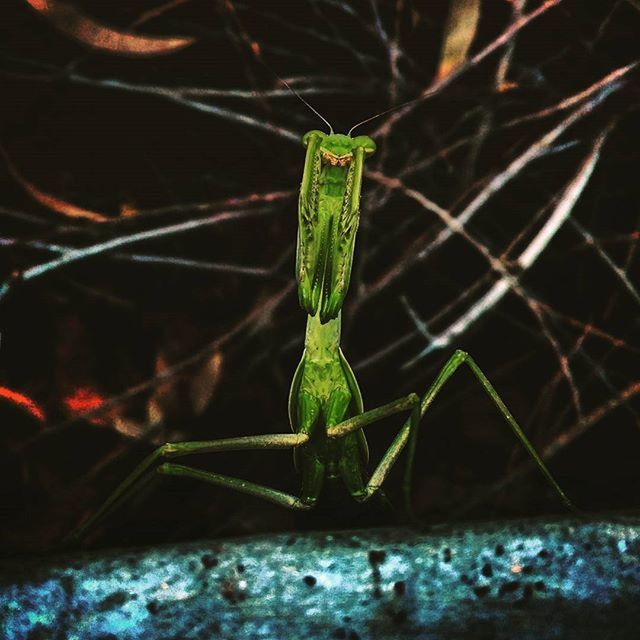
column 165, row 396
column 204, row 383
column 22, row 401
column 48, row 200
column 459, row 34
column 71, row 21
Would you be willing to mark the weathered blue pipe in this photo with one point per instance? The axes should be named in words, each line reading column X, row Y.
column 576, row 578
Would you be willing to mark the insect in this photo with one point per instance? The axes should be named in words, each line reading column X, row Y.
column 325, row 405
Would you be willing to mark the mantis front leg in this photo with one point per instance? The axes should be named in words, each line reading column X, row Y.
column 409, row 431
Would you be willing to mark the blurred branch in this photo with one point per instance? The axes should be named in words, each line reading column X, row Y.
column 556, row 446
column 618, row 272
column 171, row 261
column 558, row 217
column 178, row 95
column 566, row 103
column 46, row 199
column 75, row 255
column 256, row 317
column 418, row 251
column 439, row 84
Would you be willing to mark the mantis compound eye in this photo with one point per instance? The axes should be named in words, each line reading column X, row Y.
column 314, row 132
column 367, row 143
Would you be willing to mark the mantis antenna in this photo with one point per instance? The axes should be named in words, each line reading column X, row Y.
column 389, row 110
column 295, row 93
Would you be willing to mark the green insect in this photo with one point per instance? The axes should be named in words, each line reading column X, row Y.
column 325, row 405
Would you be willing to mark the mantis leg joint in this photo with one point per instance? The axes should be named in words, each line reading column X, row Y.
column 166, row 450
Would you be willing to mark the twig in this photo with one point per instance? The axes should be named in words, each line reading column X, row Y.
column 172, row 261
column 562, row 211
column 558, row 444
column 494, row 185
column 75, row 255
column 441, row 83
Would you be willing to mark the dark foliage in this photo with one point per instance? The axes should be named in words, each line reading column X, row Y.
column 139, row 142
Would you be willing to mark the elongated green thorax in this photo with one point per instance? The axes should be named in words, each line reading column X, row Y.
column 323, row 384
column 328, row 216
column 322, row 341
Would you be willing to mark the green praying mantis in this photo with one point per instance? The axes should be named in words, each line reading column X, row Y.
column 326, row 411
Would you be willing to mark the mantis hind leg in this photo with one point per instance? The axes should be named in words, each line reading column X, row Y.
column 450, row 367
column 152, row 464
column 352, row 472
column 409, row 431
column 260, row 491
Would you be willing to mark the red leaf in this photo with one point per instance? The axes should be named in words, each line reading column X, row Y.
column 22, row 401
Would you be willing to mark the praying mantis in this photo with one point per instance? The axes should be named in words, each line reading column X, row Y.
column 326, row 411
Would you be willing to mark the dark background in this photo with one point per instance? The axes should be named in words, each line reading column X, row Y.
column 95, row 335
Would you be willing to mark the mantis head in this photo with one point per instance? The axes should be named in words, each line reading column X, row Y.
column 337, row 149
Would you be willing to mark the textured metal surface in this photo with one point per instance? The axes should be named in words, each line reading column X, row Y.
column 524, row 579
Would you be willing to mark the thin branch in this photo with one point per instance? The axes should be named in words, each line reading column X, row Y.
column 560, row 214
column 180, row 97
column 76, row 255
column 557, row 445
column 171, row 261
column 617, row 271
column 497, row 183
column 441, row 83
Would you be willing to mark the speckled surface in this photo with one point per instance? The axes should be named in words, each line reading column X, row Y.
column 522, row 579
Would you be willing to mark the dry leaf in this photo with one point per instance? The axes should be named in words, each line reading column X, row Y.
column 71, row 21
column 459, row 34
column 204, row 383
column 24, row 402
column 503, row 87
column 83, row 399
column 128, row 210
column 130, row 428
column 165, row 396
column 49, row 201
